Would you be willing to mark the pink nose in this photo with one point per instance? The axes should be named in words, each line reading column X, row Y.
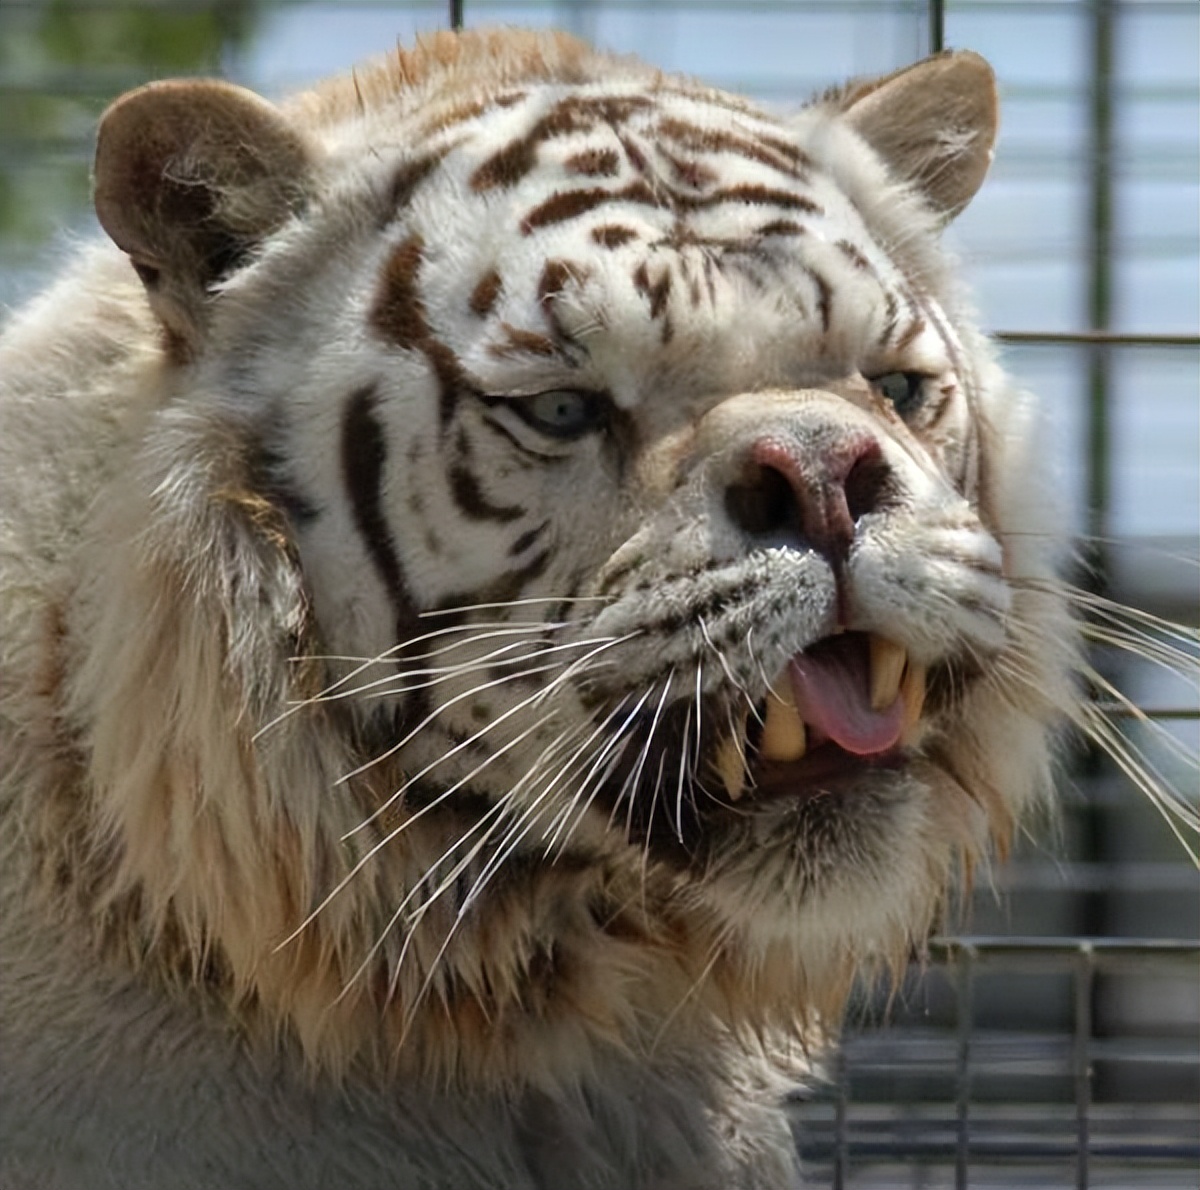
column 811, row 496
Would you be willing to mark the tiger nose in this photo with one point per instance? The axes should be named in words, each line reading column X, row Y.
column 810, row 497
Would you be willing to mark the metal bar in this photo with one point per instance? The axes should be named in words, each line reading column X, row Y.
column 982, row 945
column 937, row 26
column 1095, row 338
column 1118, row 711
column 962, row 1081
column 1099, row 263
column 1085, row 972
column 841, row 1136
column 456, row 14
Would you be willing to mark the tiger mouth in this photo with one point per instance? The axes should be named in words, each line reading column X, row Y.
column 850, row 701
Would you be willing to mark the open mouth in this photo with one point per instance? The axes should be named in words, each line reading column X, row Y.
column 846, row 702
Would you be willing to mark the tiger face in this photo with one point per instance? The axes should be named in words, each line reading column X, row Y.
column 640, row 559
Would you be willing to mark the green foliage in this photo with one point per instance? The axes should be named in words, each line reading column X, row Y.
column 61, row 62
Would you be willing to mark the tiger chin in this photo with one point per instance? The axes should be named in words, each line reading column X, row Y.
column 521, row 579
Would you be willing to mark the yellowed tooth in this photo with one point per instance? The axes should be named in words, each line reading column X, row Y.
column 887, row 667
column 912, row 690
column 731, row 763
column 783, row 735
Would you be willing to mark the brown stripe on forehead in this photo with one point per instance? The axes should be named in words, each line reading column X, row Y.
column 469, row 109
column 397, row 313
column 570, row 204
column 694, row 174
column 594, row 163
column 507, row 166
column 486, row 293
column 782, row 227
column 656, row 292
column 772, row 152
column 557, row 275
column 521, row 342
column 408, row 177
column 612, row 235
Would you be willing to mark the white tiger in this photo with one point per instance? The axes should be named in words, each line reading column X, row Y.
column 529, row 583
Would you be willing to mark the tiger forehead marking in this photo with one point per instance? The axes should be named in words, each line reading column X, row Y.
column 689, row 177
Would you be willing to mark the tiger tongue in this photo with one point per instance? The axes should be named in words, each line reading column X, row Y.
column 831, row 684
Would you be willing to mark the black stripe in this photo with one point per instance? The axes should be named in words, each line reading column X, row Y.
column 364, row 455
column 527, row 539
column 468, row 495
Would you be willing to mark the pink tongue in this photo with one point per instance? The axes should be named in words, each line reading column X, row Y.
column 831, row 683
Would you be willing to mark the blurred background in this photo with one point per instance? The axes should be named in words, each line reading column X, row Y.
column 1052, row 1038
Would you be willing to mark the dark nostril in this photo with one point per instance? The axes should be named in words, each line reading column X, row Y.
column 811, row 500
column 868, row 486
column 763, row 503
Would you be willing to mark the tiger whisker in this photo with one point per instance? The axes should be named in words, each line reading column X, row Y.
column 1165, row 657
column 399, row 830
column 1163, row 737
column 619, row 737
column 591, row 786
column 495, row 809
column 1143, row 775
column 491, row 725
column 475, row 690
column 582, row 662
column 524, row 602
column 629, row 786
column 721, row 659
column 683, row 771
column 389, row 656
column 522, row 826
column 381, row 687
column 1121, row 612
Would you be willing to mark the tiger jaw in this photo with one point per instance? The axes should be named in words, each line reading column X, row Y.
column 876, row 720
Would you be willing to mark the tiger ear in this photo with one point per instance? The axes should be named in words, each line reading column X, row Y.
column 934, row 124
column 189, row 176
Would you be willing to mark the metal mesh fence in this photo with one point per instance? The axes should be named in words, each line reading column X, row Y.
column 1059, row 1044
column 956, row 1091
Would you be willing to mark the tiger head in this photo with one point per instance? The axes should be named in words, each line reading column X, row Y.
column 585, row 567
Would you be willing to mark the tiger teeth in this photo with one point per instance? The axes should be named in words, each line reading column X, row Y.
column 888, row 660
column 912, row 690
column 731, row 762
column 783, row 736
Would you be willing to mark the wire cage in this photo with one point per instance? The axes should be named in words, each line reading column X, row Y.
column 1058, row 1044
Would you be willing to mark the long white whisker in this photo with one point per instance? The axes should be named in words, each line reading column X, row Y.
column 389, row 656
column 442, row 674
column 500, row 681
column 524, row 602
column 399, row 830
column 564, row 815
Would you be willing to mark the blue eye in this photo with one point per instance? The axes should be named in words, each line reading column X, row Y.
column 563, row 412
column 905, row 390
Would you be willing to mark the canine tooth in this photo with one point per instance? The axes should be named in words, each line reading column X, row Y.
column 731, row 763
column 887, row 668
column 783, row 734
column 912, row 690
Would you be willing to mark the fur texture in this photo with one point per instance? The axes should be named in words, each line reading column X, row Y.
column 409, row 566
